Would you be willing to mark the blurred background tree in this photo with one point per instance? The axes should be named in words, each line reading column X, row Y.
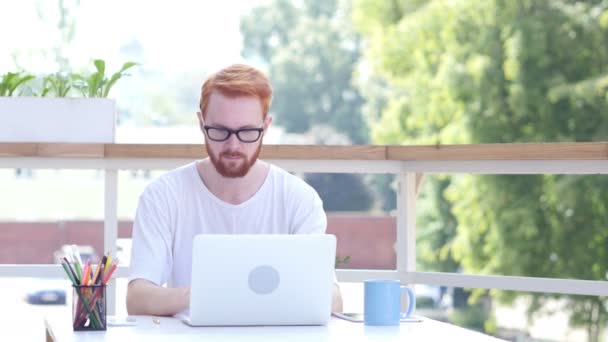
column 501, row 71
column 311, row 52
column 62, row 14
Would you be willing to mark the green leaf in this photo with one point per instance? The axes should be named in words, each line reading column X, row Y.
column 18, row 81
column 126, row 66
column 100, row 65
column 116, row 76
column 80, row 84
column 65, row 91
column 94, row 84
column 109, row 85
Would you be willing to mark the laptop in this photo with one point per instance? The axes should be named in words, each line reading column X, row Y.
column 247, row 280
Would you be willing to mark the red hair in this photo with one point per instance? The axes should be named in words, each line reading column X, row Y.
column 238, row 80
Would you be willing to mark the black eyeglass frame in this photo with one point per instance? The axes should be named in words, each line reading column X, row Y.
column 236, row 132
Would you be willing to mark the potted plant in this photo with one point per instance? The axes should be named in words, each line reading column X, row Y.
column 50, row 114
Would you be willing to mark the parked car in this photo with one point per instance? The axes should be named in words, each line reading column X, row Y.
column 47, row 291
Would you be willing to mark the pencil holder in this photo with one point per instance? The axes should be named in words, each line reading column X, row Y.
column 89, row 307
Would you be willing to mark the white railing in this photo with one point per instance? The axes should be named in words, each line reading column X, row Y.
column 408, row 163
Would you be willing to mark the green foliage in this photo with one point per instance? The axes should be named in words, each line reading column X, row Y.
column 437, row 226
column 61, row 84
column 500, row 71
column 311, row 53
column 384, row 191
column 58, row 84
column 97, row 84
column 474, row 317
column 11, row 81
column 340, row 192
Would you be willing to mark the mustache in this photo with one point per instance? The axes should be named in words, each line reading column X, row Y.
column 232, row 154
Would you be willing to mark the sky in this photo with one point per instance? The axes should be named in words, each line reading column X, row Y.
column 176, row 43
column 177, row 36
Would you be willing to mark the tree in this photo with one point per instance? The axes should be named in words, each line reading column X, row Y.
column 65, row 22
column 346, row 192
column 504, row 71
column 311, row 52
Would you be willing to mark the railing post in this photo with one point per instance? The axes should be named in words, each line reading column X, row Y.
column 110, row 230
column 406, row 226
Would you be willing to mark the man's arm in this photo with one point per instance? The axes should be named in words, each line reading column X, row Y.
column 336, row 300
column 147, row 298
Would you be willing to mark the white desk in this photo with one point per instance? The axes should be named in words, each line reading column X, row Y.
column 59, row 329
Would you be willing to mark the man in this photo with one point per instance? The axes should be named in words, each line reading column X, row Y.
column 230, row 192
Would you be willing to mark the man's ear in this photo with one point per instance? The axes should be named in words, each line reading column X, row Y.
column 267, row 122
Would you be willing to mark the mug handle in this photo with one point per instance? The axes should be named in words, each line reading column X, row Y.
column 411, row 302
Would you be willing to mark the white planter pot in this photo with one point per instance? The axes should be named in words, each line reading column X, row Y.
column 70, row 120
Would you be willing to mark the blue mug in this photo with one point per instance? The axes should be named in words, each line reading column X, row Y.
column 382, row 302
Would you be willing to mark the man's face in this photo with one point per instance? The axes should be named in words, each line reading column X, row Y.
column 233, row 158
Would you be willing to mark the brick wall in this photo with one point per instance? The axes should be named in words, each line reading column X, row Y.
column 35, row 242
column 368, row 240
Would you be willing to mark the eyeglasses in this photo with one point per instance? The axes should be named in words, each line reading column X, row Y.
column 246, row 135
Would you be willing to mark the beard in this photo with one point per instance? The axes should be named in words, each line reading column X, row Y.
column 236, row 168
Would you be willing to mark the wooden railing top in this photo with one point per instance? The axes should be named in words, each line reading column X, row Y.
column 532, row 151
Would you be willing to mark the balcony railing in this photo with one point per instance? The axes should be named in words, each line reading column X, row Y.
column 408, row 163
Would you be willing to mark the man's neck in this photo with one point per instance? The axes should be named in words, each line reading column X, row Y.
column 232, row 190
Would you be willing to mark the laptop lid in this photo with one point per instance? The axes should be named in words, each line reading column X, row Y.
column 262, row 279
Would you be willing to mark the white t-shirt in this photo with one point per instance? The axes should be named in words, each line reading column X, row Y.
column 178, row 206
